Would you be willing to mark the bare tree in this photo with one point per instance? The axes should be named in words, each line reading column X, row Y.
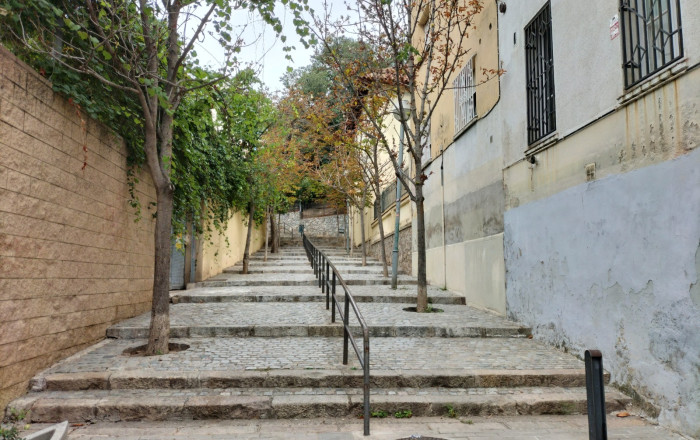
column 418, row 50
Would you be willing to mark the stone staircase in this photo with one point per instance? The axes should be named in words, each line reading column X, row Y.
column 262, row 346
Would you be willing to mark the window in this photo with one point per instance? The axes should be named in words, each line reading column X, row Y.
column 651, row 37
column 465, row 96
column 541, row 115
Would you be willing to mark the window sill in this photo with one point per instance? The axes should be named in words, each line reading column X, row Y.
column 542, row 144
column 465, row 128
column 659, row 79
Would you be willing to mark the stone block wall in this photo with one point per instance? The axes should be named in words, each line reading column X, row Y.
column 404, row 250
column 326, row 226
column 72, row 259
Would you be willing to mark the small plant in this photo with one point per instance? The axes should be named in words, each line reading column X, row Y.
column 10, row 433
column 379, row 413
column 15, row 417
column 451, row 413
column 403, row 414
column 468, row 421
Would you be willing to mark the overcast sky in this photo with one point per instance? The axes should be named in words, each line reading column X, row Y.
column 263, row 49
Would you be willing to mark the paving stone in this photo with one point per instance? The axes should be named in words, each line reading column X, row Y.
column 391, row 354
column 297, row 319
column 262, row 347
column 473, row 427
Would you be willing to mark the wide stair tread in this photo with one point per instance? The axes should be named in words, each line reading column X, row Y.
column 312, row 319
column 227, row 403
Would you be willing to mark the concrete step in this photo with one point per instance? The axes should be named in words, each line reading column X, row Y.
column 184, row 296
column 224, row 362
column 362, row 294
column 256, row 269
column 287, row 403
column 338, row 378
column 237, row 319
column 298, row 279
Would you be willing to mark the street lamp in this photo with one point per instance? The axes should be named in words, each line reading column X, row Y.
column 402, row 111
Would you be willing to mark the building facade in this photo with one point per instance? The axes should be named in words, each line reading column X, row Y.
column 565, row 191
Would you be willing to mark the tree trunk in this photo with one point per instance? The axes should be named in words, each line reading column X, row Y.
column 267, row 235
column 274, row 233
column 159, row 332
column 362, row 226
column 422, row 297
column 385, row 267
column 246, row 253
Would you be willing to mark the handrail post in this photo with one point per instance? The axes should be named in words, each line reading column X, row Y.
column 333, row 293
column 365, row 385
column 595, row 393
column 329, row 286
column 346, row 335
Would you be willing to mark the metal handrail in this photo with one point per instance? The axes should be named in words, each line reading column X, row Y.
column 328, row 276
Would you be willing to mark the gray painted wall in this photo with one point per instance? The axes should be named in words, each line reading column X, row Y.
column 614, row 265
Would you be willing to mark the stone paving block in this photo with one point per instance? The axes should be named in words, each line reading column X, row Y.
column 92, row 380
column 294, row 406
column 116, row 409
column 147, row 379
column 231, row 379
column 56, row 410
column 229, row 407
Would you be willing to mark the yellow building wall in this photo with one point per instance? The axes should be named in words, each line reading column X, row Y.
column 482, row 44
column 224, row 249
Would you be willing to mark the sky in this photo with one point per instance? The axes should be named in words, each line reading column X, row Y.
column 263, row 49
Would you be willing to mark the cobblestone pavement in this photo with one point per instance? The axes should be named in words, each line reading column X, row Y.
column 472, row 428
column 226, row 354
column 311, row 291
column 283, row 279
column 231, row 314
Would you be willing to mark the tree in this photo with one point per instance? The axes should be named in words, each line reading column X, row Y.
column 145, row 50
column 422, row 42
column 340, row 134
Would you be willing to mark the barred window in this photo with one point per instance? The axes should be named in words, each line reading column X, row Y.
column 465, row 96
column 651, row 37
column 541, row 111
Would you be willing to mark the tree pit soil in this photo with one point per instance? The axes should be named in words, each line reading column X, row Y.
column 428, row 310
column 141, row 349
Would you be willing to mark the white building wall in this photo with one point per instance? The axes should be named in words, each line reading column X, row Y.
column 611, row 264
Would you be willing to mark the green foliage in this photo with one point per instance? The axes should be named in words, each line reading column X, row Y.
column 403, row 414
column 379, row 413
column 451, row 413
column 212, row 159
column 10, row 433
column 15, row 418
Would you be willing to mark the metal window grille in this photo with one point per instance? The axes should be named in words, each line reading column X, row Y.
column 651, row 37
column 541, row 111
column 465, row 96
column 387, row 199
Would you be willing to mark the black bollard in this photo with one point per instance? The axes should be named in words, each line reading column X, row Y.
column 597, row 426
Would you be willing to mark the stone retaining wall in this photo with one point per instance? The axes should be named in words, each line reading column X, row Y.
column 314, row 227
column 404, row 250
column 72, row 259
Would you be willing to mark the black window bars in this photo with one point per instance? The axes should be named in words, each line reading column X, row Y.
column 328, row 278
column 539, row 59
column 651, row 37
